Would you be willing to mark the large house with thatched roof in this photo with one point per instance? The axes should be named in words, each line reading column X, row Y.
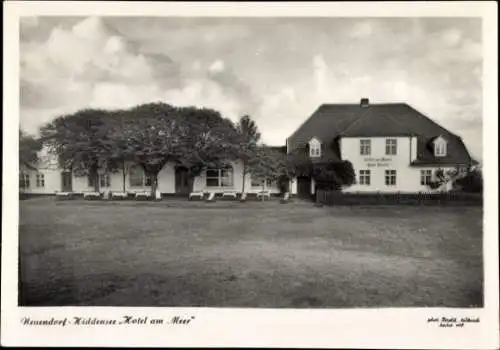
column 392, row 147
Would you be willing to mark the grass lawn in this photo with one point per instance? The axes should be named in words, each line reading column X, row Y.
column 248, row 255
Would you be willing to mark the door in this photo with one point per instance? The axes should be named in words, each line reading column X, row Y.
column 304, row 187
column 67, row 183
column 182, row 181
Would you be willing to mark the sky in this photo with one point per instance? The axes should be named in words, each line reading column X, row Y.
column 277, row 70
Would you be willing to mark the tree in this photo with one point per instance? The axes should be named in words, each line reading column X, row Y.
column 268, row 163
column 153, row 134
column 333, row 175
column 29, row 147
column 248, row 138
column 208, row 140
column 472, row 181
column 81, row 141
column 121, row 155
column 298, row 162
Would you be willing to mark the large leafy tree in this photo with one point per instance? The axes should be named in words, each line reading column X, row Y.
column 153, row 136
column 208, row 139
column 81, row 141
column 29, row 147
column 247, row 143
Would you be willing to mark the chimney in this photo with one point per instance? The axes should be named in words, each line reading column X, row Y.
column 364, row 102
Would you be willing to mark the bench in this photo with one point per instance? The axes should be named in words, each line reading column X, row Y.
column 264, row 194
column 119, row 195
column 229, row 194
column 92, row 195
column 64, row 195
column 198, row 194
column 141, row 196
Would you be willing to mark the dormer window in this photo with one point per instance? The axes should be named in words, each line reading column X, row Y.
column 440, row 147
column 314, row 148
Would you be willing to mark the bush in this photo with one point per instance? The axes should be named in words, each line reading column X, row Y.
column 472, row 182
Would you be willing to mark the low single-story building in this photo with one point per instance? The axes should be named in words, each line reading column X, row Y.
column 48, row 178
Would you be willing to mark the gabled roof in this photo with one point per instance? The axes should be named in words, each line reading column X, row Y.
column 331, row 121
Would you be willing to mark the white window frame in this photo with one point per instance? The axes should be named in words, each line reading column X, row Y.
column 425, row 177
column 223, row 180
column 390, row 177
column 314, row 148
column 365, row 177
column 107, row 180
column 40, row 180
column 365, row 147
column 145, row 180
column 440, row 147
column 24, row 180
column 391, row 147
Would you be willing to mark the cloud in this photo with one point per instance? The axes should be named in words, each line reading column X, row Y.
column 451, row 37
column 90, row 65
column 217, row 67
column 361, row 30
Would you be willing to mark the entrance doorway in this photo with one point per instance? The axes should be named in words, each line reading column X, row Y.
column 66, row 182
column 304, row 187
column 182, row 181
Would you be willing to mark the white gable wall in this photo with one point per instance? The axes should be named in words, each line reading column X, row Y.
column 407, row 177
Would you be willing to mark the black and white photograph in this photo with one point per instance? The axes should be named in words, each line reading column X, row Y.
column 251, row 162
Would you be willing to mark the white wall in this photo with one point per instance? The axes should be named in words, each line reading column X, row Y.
column 52, row 181
column 407, row 177
column 166, row 181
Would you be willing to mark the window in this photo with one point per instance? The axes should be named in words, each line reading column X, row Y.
column 365, row 147
column 40, row 180
column 256, row 182
column 462, row 170
column 104, row 180
column 219, row 177
column 440, row 149
column 364, row 177
column 425, row 177
column 136, row 176
column 270, row 183
column 24, row 180
column 314, row 148
column 390, row 177
column 391, row 146
column 90, row 181
column 260, row 182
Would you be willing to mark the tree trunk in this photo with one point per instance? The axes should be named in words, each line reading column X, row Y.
column 94, row 175
column 154, row 185
column 124, row 174
column 263, row 189
column 244, row 177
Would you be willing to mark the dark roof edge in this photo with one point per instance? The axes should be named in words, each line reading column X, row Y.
column 430, row 163
column 371, row 136
column 432, row 121
column 305, row 122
